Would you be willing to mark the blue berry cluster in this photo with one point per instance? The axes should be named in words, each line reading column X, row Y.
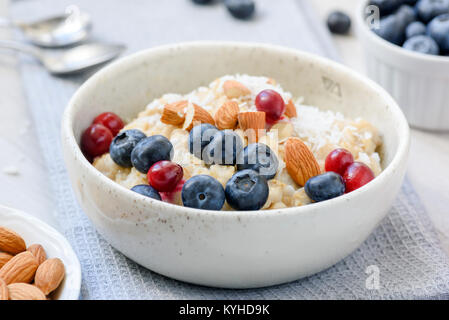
column 417, row 25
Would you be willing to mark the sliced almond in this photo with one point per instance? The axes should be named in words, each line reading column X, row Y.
column 271, row 81
column 11, row 242
column 4, row 257
column 174, row 113
column 290, row 110
column 227, row 116
column 300, row 162
column 4, row 292
column 253, row 123
column 25, row 291
column 49, row 275
column 235, row 89
column 20, row 268
column 38, row 252
column 196, row 115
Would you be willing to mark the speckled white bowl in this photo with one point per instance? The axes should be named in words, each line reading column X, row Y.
column 232, row 249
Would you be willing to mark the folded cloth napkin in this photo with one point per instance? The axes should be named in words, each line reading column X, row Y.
column 401, row 259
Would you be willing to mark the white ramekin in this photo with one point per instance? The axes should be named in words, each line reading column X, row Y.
column 233, row 249
column 418, row 82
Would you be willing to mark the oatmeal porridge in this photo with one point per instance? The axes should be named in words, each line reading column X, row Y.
column 303, row 142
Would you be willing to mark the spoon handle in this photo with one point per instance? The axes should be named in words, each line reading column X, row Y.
column 17, row 46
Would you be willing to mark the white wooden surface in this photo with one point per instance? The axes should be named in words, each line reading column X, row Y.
column 29, row 190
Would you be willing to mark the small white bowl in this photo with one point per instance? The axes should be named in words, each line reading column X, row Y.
column 419, row 82
column 234, row 249
column 33, row 230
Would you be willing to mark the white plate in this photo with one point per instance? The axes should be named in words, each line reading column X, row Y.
column 33, row 230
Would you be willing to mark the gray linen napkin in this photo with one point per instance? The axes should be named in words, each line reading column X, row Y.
column 403, row 252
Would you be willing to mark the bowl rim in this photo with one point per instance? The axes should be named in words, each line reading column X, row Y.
column 400, row 155
column 367, row 32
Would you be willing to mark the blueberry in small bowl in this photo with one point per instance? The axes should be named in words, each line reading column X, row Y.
column 240, row 9
column 147, row 191
column 122, row 146
column 260, row 158
column 415, row 28
column 338, row 22
column 224, row 149
column 422, row 44
column 199, row 137
column 429, row 9
column 150, row 150
column 325, row 186
column 438, row 29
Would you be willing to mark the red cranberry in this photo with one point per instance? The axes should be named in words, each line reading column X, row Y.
column 164, row 175
column 357, row 175
column 111, row 121
column 270, row 102
column 172, row 196
column 95, row 140
column 338, row 160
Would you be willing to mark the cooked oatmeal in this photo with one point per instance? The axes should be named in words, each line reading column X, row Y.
column 322, row 131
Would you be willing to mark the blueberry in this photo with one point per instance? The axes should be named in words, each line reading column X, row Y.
column 199, row 137
column 203, row 192
column 404, row 16
column 149, row 151
column 438, row 29
column 260, row 158
column 240, row 9
column 429, row 9
column 147, row 191
column 122, row 146
column 386, row 6
column 415, row 28
column 325, row 186
column 247, row 190
column 225, row 148
column 422, row 44
column 338, row 22
column 388, row 30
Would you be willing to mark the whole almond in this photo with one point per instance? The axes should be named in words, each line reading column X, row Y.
column 21, row 268
column 227, row 116
column 11, row 242
column 253, row 123
column 4, row 292
column 174, row 113
column 4, row 257
column 290, row 110
column 234, row 89
column 38, row 252
column 49, row 275
column 300, row 161
column 25, row 291
column 196, row 115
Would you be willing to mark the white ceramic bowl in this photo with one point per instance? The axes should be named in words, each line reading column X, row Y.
column 33, row 230
column 418, row 82
column 232, row 249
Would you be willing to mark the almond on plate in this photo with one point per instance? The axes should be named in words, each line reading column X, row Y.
column 49, row 275
column 4, row 257
column 253, row 123
column 235, row 89
column 11, row 242
column 290, row 110
column 21, row 268
column 227, row 116
column 38, row 252
column 174, row 113
column 25, row 291
column 300, row 162
column 196, row 115
column 4, row 292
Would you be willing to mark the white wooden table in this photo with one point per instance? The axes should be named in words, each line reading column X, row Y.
column 29, row 189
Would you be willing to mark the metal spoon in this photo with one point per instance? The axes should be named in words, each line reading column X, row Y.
column 57, row 31
column 67, row 61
